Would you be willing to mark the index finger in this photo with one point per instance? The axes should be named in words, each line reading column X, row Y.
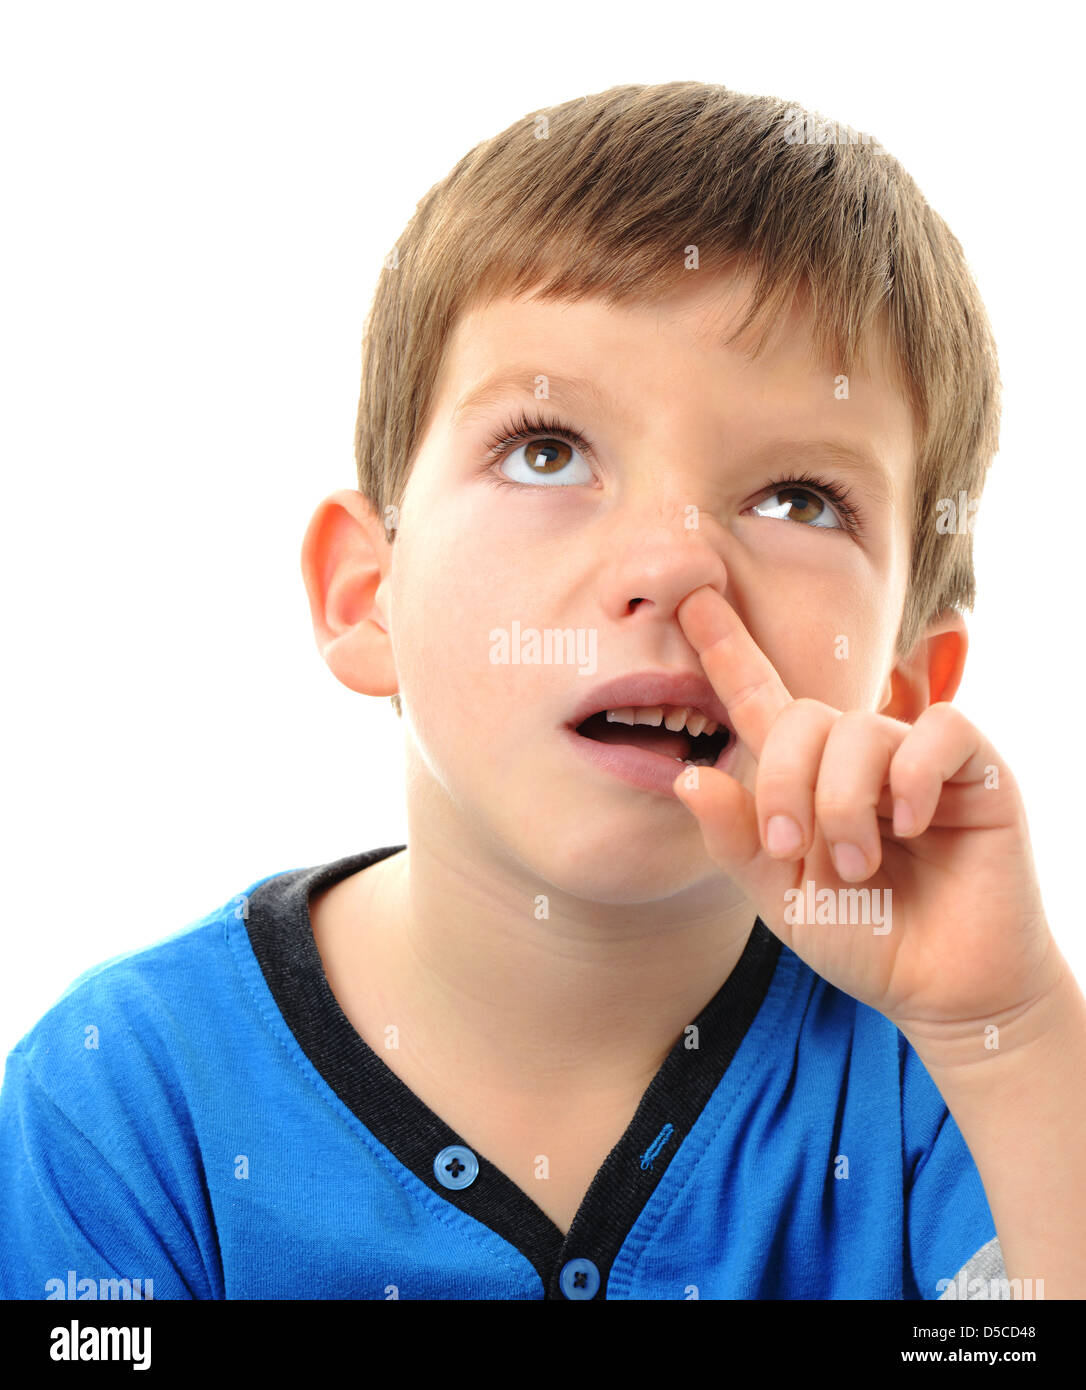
column 740, row 672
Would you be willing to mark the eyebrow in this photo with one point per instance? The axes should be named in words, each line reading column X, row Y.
column 859, row 463
column 862, row 466
column 494, row 388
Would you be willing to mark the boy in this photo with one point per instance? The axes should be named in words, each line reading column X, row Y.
column 715, row 966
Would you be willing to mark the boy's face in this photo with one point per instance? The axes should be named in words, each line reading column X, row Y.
column 687, row 439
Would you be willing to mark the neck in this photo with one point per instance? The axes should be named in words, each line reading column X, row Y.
column 531, row 988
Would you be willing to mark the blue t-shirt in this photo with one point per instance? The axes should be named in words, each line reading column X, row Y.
column 200, row 1116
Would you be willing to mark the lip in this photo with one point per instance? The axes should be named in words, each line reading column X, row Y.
column 637, row 766
column 647, row 688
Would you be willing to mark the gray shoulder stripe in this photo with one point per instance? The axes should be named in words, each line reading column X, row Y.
column 981, row 1277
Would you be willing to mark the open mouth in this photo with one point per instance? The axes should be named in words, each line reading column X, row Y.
column 701, row 749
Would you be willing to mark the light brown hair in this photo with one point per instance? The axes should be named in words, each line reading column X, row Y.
column 603, row 195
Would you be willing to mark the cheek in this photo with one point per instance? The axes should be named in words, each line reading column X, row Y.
column 826, row 646
column 451, row 596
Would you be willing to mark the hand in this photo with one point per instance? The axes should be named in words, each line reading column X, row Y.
column 965, row 942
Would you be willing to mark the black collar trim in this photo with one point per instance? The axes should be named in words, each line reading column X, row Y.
column 281, row 934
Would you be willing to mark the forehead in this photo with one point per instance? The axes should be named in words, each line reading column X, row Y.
column 664, row 367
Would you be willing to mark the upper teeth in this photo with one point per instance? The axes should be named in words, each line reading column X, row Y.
column 675, row 718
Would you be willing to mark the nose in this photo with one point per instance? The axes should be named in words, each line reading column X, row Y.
column 658, row 569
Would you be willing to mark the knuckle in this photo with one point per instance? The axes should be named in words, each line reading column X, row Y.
column 852, row 720
column 748, row 693
column 941, row 715
column 910, row 771
column 835, row 807
column 813, row 713
column 776, row 777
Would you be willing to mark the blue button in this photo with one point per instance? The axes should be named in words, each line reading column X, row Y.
column 579, row 1279
column 456, row 1167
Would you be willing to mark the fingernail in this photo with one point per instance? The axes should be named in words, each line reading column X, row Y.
column 904, row 820
column 782, row 835
column 850, row 860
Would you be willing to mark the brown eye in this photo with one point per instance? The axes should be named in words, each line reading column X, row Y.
column 547, row 455
column 803, row 506
column 799, row 504
column 548, row 460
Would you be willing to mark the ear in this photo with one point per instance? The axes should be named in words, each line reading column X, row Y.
column 931, row 672
column 345, row 562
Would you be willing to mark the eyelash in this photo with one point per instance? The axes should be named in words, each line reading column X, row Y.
column 526, row 427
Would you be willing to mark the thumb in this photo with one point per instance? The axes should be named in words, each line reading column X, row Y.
column 728, row 818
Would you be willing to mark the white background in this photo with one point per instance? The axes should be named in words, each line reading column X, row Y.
column 196, row 202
